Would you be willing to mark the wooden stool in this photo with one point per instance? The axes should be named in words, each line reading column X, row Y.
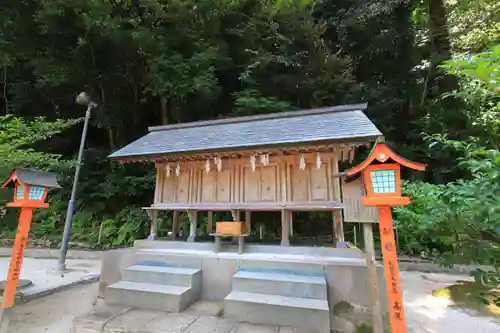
column 241, row 241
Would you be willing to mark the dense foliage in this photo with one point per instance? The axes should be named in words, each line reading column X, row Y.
column 17, row 138
column 424, row 66
column 459, row 222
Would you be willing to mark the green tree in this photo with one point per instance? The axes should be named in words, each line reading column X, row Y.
column 18, row 142
column 18, row 138
column 479, row 77
column 459, row 222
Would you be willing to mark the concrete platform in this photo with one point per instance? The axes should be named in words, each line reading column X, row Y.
column 156, row 287
column 148, row 296
column 344, row 271
column 275, row 297
column 311, row 315
column 424, row 313
column 290, row 285
column 161, row 275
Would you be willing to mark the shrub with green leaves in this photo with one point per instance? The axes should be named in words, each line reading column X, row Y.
column 458, row 222
column 17, row 138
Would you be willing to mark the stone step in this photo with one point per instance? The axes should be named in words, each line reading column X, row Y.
column 149, row 296
column 284, row 265
column 290, row 285
column 309, row 314
column 173, row 276
column 159, row 258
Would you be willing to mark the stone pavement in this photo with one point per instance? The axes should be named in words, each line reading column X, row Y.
column 202, row 317
column 45, row 277
column 48, row 253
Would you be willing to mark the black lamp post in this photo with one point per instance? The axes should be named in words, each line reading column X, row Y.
column 82, row 99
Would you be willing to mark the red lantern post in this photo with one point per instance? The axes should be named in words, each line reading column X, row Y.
column 30, row 191
column 382, row 182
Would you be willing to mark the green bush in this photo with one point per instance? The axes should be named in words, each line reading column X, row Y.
column 458, row 222
column 129, row 224
column 109, row 194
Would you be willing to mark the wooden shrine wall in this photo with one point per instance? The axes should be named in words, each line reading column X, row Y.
column 280, row 181
column 354, row 211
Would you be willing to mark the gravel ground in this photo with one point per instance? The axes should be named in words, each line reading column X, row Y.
column 54, row 313
column 425, row 313
column 428, row 314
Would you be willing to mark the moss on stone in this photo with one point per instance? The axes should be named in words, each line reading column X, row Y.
column 342, row 307
column 363, row 328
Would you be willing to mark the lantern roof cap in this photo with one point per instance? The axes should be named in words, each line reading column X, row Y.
column 28, row 176
column 382, row 153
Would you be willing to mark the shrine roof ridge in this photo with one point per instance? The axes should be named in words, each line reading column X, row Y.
column 260, row 117
column 346, row 123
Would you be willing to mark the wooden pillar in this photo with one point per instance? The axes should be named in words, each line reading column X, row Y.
column 159, row 182
column 217, row 245
column 175, row 224
column 372, row 278
column 248, row 221
column 338, row 225
column 284, row 229
column 241, row 244
column 193, row 218
column 210, row 223
column 355, row 234
column 285, row 220
column 153, row 215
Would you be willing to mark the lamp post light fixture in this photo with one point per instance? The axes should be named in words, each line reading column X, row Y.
column 382, row 181
column 85, row 100
column 381, row 175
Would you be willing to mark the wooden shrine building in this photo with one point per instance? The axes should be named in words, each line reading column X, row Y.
column 275, row 162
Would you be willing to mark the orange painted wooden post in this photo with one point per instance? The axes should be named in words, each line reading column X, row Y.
column 391, row 268
column 30, row 191
column 16, row 260
column 382, row 182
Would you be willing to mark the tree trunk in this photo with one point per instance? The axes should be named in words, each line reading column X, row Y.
column 178, row 112
column 440, row 39
column 440, row 36
column 164, row 111
column 5, row 90
column 455, row 118
column 135, row 116
column 112, row 144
